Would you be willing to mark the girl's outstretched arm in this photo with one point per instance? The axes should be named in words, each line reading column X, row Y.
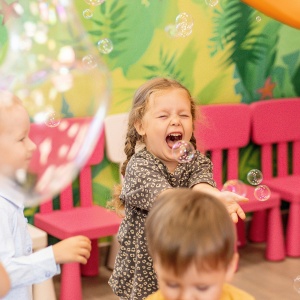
column 229, row 199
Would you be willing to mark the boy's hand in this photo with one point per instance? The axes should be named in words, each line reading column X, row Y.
column 73, row 249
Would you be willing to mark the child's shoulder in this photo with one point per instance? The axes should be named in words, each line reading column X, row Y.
column 231, row 292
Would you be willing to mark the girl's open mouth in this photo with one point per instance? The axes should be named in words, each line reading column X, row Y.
column 172, row 138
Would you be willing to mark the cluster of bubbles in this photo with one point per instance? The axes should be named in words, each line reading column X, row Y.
column 261, row 192
column 183, row 151
column 104, row 45
column 254, row 177
column 183, row 26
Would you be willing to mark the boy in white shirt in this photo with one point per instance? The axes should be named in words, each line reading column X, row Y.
column 24, row 267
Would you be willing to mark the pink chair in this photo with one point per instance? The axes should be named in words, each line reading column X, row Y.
column 73, row 219
column 225, row 132
column 276, row 128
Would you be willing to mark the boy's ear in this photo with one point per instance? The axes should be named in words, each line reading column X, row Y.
column 231, row 269
column 138, row 125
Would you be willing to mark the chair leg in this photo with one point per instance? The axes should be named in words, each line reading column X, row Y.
column 92, row 266
column 241, row 233
column 292, row 230
column 275, row 247
column 70, row 282
column 258, row 228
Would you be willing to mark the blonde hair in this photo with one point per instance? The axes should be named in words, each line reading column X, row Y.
column 139, row 106
column 186, row 226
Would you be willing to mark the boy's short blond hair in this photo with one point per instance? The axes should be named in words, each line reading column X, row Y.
column 186, row 226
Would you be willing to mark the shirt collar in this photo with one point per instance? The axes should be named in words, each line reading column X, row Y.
column 11, row 191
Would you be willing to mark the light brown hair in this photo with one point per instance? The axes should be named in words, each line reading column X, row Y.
column 186, row 226
column 139, row 106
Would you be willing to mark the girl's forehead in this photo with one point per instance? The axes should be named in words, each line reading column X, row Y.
column 168, row 98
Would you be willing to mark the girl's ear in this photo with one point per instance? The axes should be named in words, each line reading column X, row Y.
column 231, row 269
column 138, row 125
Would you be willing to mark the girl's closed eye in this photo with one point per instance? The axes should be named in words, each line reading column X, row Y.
column 162, row 116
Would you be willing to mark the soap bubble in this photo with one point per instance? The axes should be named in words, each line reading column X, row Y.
column 52, row 65
column 184, row 24
column 94, row 2
column 183, row 151
column 254, row 177
column 87, row 14
column 211, row 3
column 105, row 46
column 297, row 284
column 262, row 192
column 236, row 186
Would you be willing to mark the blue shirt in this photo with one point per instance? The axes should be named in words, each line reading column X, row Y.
column 23, row 267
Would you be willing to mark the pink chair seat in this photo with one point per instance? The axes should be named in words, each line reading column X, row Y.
column 93, row 222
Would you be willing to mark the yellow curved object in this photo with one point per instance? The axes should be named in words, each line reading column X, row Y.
column 285, row 11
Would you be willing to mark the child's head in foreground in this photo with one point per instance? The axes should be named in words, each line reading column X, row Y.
column 16, row 148
column 191, row 239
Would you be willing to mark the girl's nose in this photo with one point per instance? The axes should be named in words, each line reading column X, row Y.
column 175, row 121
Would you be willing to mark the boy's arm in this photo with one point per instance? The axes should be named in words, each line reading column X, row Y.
column 4, row 282
column 23, row 270
column 31, row 269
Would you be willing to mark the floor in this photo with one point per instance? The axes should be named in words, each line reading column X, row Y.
column 264, row 280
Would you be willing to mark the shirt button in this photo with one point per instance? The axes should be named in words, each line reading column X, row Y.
column 28, row 250
column 47, row 274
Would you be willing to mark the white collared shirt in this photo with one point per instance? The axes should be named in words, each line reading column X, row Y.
column 23, row 267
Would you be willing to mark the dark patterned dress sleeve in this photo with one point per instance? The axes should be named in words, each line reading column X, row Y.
column 201, row 171
column 145, row 178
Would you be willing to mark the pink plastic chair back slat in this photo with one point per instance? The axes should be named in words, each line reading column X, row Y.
column 282, row 156
column 66, row 198
column 296, row 157
column 217, row 161
column 86, row 192
column 233, row 166
column 266, row 163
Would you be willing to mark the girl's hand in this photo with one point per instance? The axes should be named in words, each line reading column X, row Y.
column 231, row 200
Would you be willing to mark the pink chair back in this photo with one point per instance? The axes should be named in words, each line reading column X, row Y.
column 65, row 139
column 277, row 121
column 225, row 127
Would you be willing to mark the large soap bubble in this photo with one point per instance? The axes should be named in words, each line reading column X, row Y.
column 53, row 67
